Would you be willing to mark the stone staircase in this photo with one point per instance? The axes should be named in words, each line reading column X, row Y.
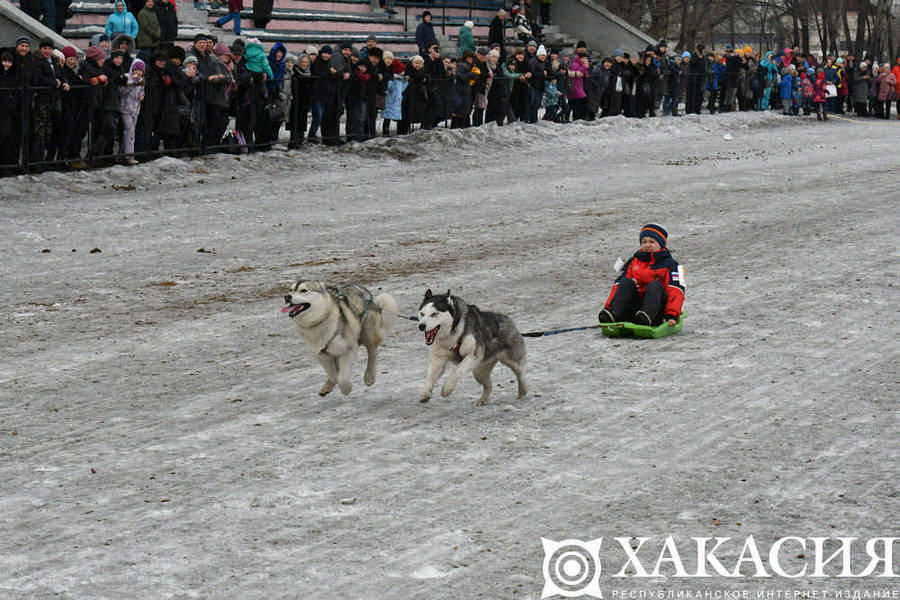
column 300, row 23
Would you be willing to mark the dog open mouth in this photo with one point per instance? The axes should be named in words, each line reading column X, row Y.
column 295, row 309
column 430, row 335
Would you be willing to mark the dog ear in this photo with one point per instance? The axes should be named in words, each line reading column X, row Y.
column 428, row 293
column 448, row 293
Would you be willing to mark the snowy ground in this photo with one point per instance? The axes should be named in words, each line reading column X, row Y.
column 160, row 434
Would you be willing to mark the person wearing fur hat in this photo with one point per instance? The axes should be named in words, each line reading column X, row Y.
column 650, row 286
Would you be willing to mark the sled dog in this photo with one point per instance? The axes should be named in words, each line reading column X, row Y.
column 474, row 340
column 334, row 321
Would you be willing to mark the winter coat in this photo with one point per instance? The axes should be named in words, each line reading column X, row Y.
column 519, row 95
column 131, row 95
column 168, row 20
column 121, row 22
column 785, row 88
column 887, row 87
column 645, row 267
column 217, row 91
column 91, row 73
column 149, row 29
column 806, row 87
column 425, row 37
column 255, row 59
column 112, row 92
column 416, row 96
column 497, row 32
column 277, row 67
column 896, row 72
column 551, row 95
column 538, row 70
column 843, row 85
column 322, row 84
column 466, row 40
column 862, row 81
column 577, row 90
column 393, row 100
column 462, row 89
column 262, row 13
column 302, row 88
column 819, row 89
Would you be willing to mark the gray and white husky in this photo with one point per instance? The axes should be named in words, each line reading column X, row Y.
column 473, row 339
column 334, row 321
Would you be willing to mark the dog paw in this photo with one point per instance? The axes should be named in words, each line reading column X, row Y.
column 425, row 397
column 446, row 390
column 369, row 378
column 483, row 401
column 326, row 389
column 346, row 387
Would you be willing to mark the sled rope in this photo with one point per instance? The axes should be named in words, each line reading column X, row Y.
column 556, row 331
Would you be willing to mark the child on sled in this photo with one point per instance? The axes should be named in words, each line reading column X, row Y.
column 649, row 289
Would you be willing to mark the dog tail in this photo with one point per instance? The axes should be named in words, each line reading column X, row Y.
column 389, row 308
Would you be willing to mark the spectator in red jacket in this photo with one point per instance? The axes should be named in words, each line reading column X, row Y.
column 650, row 287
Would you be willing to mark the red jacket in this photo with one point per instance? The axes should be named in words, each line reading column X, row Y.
column 645, row 267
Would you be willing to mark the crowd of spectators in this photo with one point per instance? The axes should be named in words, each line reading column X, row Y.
column 133, row 98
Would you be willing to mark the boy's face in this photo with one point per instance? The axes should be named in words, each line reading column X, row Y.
column 46, row 51
column 648, row 244
column 374, row 60
column 160, row 63
column 71, row 61
column 118, row 60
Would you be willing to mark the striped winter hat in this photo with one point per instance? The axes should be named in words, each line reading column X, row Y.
column 655, row 232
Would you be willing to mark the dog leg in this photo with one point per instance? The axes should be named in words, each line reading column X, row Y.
column 464, row 366
column 518, row 368
column 371, row 352
column 483, row 376
column 436, row 368
column 344, row 364
column 327, row 363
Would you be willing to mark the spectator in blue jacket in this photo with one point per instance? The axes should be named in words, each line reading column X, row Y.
column 121, row 21
column 786, row 91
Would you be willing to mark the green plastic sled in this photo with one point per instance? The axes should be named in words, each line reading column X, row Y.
column 624, row 329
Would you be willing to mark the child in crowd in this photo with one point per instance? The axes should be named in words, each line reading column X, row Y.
column 819, row 95
column 551, row 99
column 650, row 287
column 130, row 101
